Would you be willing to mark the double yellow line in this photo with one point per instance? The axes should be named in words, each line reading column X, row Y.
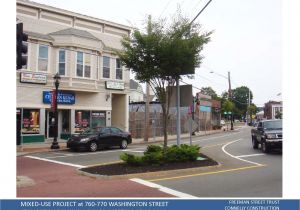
column 207, row 173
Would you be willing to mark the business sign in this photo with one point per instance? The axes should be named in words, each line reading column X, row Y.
column 205, row 109
column 114, row 85
column 62, row 97
column 31, row 77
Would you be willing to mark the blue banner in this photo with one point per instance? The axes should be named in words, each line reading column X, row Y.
column 155, row 204
column 62, row 97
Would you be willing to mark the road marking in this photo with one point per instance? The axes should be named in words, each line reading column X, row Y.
column 53, row 161
column 214, row 145
column 206, row 173
column 88, row 153
column 236, row 157
column 250, row 155
column 163, row 189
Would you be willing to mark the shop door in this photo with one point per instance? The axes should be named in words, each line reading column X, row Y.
column 18, row 126
column 51, row 124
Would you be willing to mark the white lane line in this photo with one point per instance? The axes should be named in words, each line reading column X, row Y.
column 53, row 161
column 236, row 157
column 88, row 153
column 216, row 137
column 240, row 156
column 163, row 189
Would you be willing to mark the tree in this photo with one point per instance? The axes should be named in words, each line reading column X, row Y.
column 252, row 109
column 227, row 106
column 240, row 98
column 162, row 54
column 209, row 91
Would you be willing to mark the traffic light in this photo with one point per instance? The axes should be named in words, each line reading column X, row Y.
column 21, row 47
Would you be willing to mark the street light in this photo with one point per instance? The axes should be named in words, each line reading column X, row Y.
column 55, row 143
column 229, row 94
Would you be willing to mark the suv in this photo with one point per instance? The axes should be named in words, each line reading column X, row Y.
column 268, row 134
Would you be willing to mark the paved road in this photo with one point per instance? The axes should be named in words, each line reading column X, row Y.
column 243, row 171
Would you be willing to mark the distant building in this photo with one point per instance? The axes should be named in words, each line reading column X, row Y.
column 272, row 108
column 136, row 92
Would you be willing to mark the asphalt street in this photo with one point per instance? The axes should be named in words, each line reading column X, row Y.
column 242, row 171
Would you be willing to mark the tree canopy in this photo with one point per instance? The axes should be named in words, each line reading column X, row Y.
column 162, row 54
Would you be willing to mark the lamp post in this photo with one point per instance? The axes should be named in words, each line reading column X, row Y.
column 55, row 143
column 229, row 94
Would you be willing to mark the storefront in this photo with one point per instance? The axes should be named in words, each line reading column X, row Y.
column 37, row 124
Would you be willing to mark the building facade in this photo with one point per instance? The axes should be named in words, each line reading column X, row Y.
column 136, row 92
column 273, row 110
column 94, row 87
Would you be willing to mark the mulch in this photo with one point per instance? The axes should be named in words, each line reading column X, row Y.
column 123, row 168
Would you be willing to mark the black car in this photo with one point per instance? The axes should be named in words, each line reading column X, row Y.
column 268, row 134
column 100, row 137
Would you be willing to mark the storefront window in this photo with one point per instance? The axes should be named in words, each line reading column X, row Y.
column 31, row 121
column 65, row 121
column 98, row 119
column 82, row 120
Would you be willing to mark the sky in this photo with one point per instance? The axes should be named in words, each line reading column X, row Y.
column 247, row 38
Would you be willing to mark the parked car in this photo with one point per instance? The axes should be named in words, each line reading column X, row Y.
column 268, row 134
column 99, row 137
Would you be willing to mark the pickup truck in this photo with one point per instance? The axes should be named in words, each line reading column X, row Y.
column 268, row 134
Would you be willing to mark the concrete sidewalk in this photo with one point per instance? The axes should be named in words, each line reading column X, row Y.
column 45, row 147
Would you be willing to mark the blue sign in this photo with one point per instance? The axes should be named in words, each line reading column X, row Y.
column 62, row 97
column 205, row 108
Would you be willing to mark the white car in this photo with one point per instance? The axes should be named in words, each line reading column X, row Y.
column 222, row 122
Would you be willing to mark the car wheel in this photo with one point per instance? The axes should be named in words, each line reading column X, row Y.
column 265, row 147
column 93, row 146
column 254, row 143
column 123, row 144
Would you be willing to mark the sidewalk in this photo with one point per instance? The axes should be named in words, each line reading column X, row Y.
column 45, row 147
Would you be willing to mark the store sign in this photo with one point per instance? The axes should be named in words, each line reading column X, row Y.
column 114, row 85
column 205, row 109
column 62, row 97
column 30, row 77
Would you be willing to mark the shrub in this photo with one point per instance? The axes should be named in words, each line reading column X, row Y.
column 182, row 153
column 153, row 149
column 154, row 158
column 154, row 155
column 132, row 159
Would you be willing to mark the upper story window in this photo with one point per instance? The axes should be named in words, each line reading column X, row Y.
column 43, row 58
column 106, row 67
column 83, row 68
column 26, row 55
column 119, row 72
column 62, row 62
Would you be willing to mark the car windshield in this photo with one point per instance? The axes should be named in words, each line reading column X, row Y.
column 90, row 131
column 272, row 125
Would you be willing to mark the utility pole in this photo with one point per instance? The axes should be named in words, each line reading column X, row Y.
column 178, row 87
column 230, row 96
column 146, row 134
column 178, row 112
column 249, row 102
